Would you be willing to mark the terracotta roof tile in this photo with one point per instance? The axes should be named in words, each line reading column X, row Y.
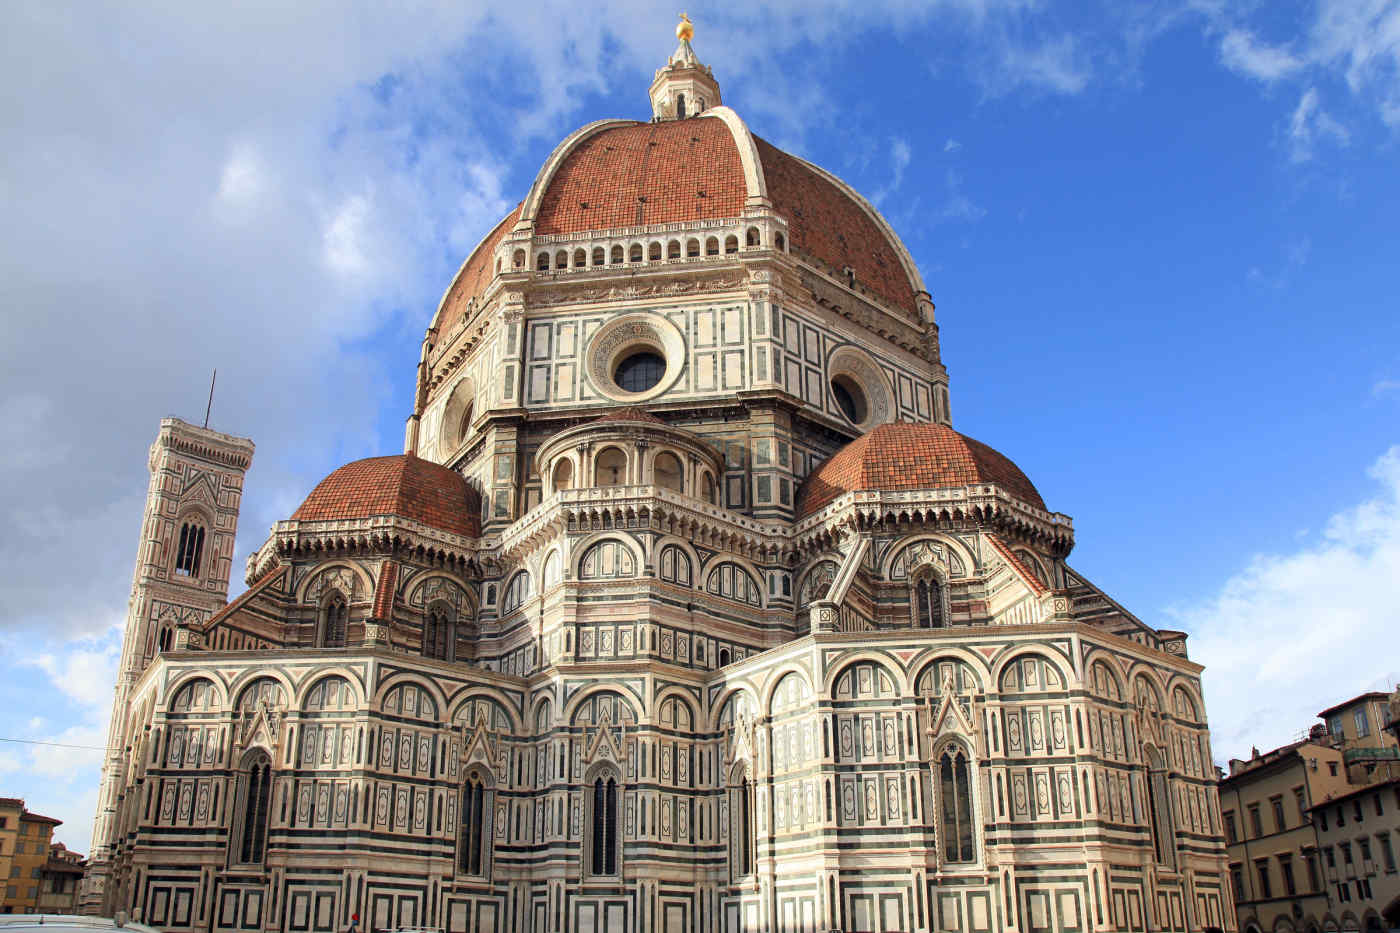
column 401, row 485
column 476, row 274
column 1028, row 576
column 384, row 590
column 911, row 456
column 823, row 222
column 648, row 173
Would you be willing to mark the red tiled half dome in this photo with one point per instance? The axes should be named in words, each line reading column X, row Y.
column 402, row 485
column 903, row 456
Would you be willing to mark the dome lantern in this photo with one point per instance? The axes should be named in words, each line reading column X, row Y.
column 683, row 87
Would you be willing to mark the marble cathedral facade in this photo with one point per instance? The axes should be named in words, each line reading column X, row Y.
column 685, row 609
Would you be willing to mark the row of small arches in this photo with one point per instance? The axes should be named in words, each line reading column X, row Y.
column 612, row 466
column 611, row 559
column 654, row 251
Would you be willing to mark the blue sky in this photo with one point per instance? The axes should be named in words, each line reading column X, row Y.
column 1160, row 235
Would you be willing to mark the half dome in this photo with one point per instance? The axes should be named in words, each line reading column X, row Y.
column 903, row 456
column 403, row 486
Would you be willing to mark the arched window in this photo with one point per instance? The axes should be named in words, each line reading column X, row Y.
column 731, row 244
column 616, row 254
column 673, row 249
column 335, row 617
column 692, row 248
column 680, row 106
column 711, row 246
column 603, row 860
column 1159, row 807
column 723, row 657
column 542, row 262
column 598, row 255
column 473, row 839
column 165, row 640
column 256, row 797
column 191, row 550
column 780, row 242
column 635, row 253
column 517, row 591
column 741, row 814
column 955, row 806
column 561, row 260
column 751, row 237
column 707, row 488
column 928, row 603
column 437, row 633
column 580, row 258
column 654, row 251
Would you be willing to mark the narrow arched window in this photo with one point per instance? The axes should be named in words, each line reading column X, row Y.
column 257, row 795
column 190, row 553
column 604, row 854
column 680, row 106
column 1159, row 808
column 437, row 634
column 746, row 853
column 955, row 806
column 473, row 838
column 164, row 639
column 928, row 604
column 335, row 622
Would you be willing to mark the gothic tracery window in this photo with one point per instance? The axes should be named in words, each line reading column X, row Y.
column 955, row 806
column 928, row 603
column 473, row 839
column 603, row 857
column 334, row 622
column 190, row 554
column 437, row 633
column 741, row 814
column 257, row 795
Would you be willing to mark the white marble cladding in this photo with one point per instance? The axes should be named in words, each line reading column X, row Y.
column 660, row 245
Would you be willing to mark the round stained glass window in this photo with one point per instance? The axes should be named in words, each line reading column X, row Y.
column 639, row 371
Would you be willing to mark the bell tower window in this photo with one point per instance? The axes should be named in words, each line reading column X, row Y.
column 191, row 550
column 680, row 106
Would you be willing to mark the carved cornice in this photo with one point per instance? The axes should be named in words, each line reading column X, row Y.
column 863, row 311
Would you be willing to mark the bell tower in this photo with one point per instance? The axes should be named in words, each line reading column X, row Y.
column 183, row 564
column 683, row 87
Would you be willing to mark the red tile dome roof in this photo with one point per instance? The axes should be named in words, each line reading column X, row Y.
column 402, row 485
column 629, row 174
column 902, row 456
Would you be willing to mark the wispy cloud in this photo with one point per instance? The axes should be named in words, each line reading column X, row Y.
column 1311, row 125
column 959, row 206
column 1242, row 53
column 1384, row 387
column 952, row 145
column 900, row 156
column 1293, row 632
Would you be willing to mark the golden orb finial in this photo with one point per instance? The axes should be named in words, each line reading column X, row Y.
column 685, row 29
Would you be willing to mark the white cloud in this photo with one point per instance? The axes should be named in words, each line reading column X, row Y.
column 1384, row 387
column 1058, row 65
column 952, row 145
column 1310, row 124
column 1295, row 632
column 1241, row 52
column 900, row 156
column 959, row 206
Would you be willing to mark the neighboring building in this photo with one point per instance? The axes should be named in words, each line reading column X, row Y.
column 1359, row 836
column 60, row 880
column 1264, row 803
column 1361, row 728
column 685, row 609
column 24, row 851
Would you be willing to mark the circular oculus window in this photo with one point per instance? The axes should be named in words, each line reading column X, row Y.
column 635, row 357
column 858, row 389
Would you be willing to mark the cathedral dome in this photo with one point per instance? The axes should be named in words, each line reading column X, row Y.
column 617, row 175
column 403, row 486
column 904, row 456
